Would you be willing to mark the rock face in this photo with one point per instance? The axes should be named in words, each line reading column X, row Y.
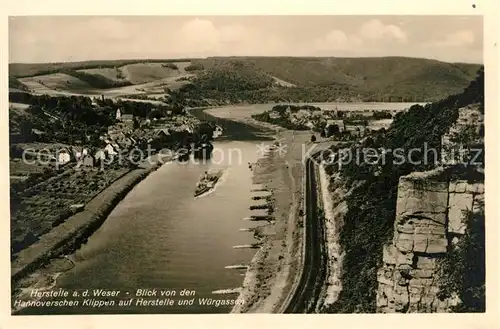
column 335, row 208
column 430, row 219
column 466, row 131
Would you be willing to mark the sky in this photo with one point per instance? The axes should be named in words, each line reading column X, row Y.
column 41, row 39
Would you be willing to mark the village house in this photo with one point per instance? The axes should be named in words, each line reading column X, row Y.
column 356, row 130
column 88, row 161
column 183, row 128
column 99, row 156
column 127, row 118
column 79, row 153
column 162, row 133
column 339, row 123
column 217, row 132
column 318, row 113
column 303, row 114
column 110, row 150
column 37, row 134
column 161, row 136
column 63, row 157
column 331, row 123
column 274, row 115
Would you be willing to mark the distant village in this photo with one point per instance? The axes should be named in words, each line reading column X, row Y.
column 328, row 123
column 125, row 134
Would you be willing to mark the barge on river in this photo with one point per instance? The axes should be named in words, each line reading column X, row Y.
column 207, row 182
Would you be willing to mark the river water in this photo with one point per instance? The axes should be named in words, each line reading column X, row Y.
column 161, row 237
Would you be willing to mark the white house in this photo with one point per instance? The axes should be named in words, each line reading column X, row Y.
column 303, row 114
column 110, row 149
column 78, row 156
column 274, row 115
column 63, row 157
column 100, row 155
column 310, row 125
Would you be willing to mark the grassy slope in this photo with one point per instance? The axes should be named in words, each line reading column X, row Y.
column 114, row 74
column 14, row 83
column 34, row 69
column 74, row 80
column 147, row 72
column 60, row 81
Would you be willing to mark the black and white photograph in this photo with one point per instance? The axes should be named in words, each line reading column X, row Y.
column 278, row 164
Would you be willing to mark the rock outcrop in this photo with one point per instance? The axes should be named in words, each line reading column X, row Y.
column 335, row 207
column 463, row 135
column 431, row 217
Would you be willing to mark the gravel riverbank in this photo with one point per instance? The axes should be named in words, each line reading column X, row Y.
column 273, row 271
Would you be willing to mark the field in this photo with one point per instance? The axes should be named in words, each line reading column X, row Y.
column 148, row 79
column 20, row 70
column 17, row 109
column 109, row 73
column 36, row 210
column 147, row 72
column 54, row 82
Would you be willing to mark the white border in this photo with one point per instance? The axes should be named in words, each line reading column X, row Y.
column 263, row 7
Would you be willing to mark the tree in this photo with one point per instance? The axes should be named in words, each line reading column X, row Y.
column 333, row 130
column 25, row 128
column 136, row 123
column 313, row 139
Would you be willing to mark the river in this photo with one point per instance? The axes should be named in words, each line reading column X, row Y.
column 161, row 237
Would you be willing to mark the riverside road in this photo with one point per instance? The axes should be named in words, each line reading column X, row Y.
column 307, row 292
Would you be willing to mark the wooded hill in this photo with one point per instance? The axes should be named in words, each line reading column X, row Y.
column 328, row 79
column 295, row 79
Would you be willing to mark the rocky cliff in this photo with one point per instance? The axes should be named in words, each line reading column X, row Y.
column 334, row 205
column 431, row 219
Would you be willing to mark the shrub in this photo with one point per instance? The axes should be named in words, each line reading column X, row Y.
column 462, row 271
column 170, row 66
column 194, row 67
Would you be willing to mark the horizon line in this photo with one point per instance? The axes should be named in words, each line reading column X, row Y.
column 184, row 59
